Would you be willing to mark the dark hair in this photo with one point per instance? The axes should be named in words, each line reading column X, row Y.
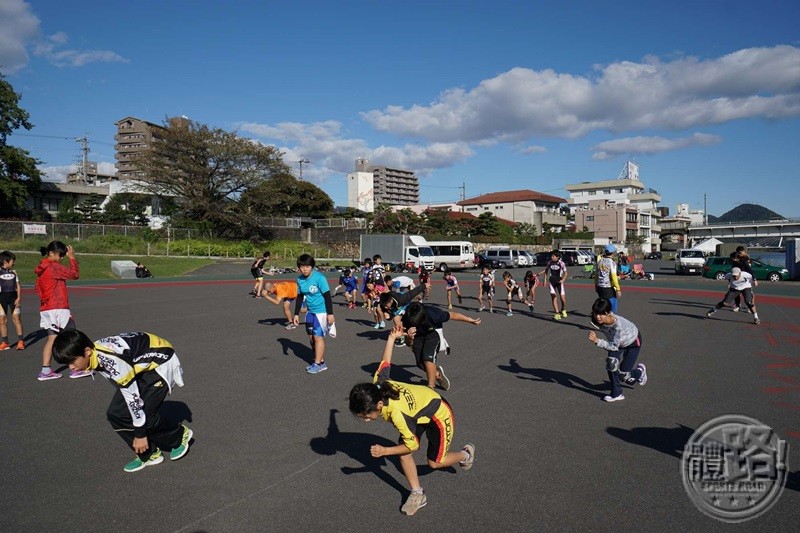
column 386, row 298
column 7, row 255
column 367, row 261
column 423, row 270
column 376, row 257
column 506, row 274
column 387, row 278
column 556, row 253
column 529, row 274
column 69, row 345
column 601, row 306
column 364, row 397
column 266, row 253
column 415, row 316
column 346, row 272
column 306, row 260
column 55, row 246
column 739, row 249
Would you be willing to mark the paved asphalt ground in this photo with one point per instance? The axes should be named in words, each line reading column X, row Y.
column 277, row 450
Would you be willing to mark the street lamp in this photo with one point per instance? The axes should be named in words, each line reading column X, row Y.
column 302, row 162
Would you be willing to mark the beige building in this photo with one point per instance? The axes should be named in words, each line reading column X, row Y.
column 371, row 185
column 135, row 137
column 520, row 206
column 610, row 222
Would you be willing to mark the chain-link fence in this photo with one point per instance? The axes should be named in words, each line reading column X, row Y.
column 12, row 230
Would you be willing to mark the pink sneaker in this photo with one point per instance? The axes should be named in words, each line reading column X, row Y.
column 75, row 374
column 44, row 376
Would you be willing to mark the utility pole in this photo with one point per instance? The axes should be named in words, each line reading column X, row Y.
column 302, row 162
column 83, row 169
column 705, row 209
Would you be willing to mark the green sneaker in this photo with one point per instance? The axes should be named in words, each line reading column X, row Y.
column 137, row 464
column 181, row 450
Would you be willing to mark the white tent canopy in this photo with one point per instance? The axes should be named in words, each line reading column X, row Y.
column 707, row 246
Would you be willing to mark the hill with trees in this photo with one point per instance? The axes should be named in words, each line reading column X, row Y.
column 746, row 212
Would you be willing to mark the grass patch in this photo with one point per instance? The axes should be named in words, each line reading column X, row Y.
column 99, row 266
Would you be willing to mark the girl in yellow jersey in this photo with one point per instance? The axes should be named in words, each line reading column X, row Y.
column 415, row 410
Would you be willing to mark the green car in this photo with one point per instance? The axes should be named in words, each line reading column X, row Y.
column 717, row 267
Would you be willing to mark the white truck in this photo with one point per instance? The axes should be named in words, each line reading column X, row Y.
column 689, row 261
column 397, row 249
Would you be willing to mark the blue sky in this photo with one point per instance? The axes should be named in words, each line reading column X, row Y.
column 704, row 96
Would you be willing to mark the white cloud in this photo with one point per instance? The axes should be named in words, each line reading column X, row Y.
column 624, row 96
column 49, row 49
column 650, row 145
column 18, row 28
column 331, row 152
column 57, row 173
column 533, row 149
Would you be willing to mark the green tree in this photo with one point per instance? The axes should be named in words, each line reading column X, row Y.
column 524, row 229
column 90, row 209
column 67, row 213
column 206, row 169
column 19, row 176
column 386, row 220
column 487, row 225
column 283, row 195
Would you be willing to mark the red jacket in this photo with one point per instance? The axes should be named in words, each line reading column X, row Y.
column 51, row 283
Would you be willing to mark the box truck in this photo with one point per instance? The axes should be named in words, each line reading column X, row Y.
column 398, row 249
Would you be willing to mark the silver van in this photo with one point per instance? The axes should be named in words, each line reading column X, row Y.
column 503, row 256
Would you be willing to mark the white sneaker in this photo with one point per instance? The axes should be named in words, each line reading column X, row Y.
column 643, row 378
column 613, row 398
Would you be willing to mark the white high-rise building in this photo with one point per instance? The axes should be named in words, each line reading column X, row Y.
column 361, row 188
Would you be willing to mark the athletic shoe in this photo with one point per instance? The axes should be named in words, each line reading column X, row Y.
column 643, row 378
column 481, row 308
column 467, row 463
column 711, row 312
column 317, row 368
column 509, row 313
column 44, row 376
column 459, row 298
column 756, row 321
column 736, row 309
column 180, row 451
column 75, row 374
column 137, row 464
column 530, row 308
column 290, row 326
column 5, row 346
column 400, row 341
column 442, row 380
column 564, row 314
column 557, row 316
column 382, row 324
column 612, row 364
column 450, row 306
column 613, row 398
column 376, row 325
column 415, row 502
column 20, row 345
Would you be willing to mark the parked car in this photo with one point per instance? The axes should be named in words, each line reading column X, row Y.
column 717, row 267
column 570, row 257
column 653, row 255
column 483, row 260
column 688, row 261
column 525, row 259
column 505, row 256
column 585, row 257
column 542, row 258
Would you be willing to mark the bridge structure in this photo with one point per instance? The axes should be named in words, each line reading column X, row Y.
column 753, row 233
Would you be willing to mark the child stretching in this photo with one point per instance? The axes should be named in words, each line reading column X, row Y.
column 425, row 280
column 366, row 269
column 144, row 368
column 313, row 289
column 531, row 281
column 394, row 304
column 10, row 300
column 414, row 410
column 556, row 272
column 257, row 271
column 374, row 292
column 399, row 283
column 623, row 344
column 486, row 288
column 285, row 292
column 739, row 285
column 424, row 333
column 452, row 285
column 513, row 291
column 54, row 314
column 350, row 283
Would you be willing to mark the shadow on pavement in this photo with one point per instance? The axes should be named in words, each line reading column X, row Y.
column 681, row 303
column 670, row 441
column 356, row 446
column 32, row 338
column 298, row 349
column 687, row 315
column 399, row 373
column 545, row 375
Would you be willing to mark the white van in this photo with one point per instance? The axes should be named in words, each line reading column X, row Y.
column 452, row 254
column 503, row 256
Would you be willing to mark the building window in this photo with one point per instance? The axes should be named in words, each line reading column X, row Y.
column 590, row 218
column 592, row 193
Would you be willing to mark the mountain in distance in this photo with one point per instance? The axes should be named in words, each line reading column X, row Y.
column 746, row 212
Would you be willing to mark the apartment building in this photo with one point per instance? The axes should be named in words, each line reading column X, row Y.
column 371, row 185
column 519, row 206
column 134, row 138
column 625, row 194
